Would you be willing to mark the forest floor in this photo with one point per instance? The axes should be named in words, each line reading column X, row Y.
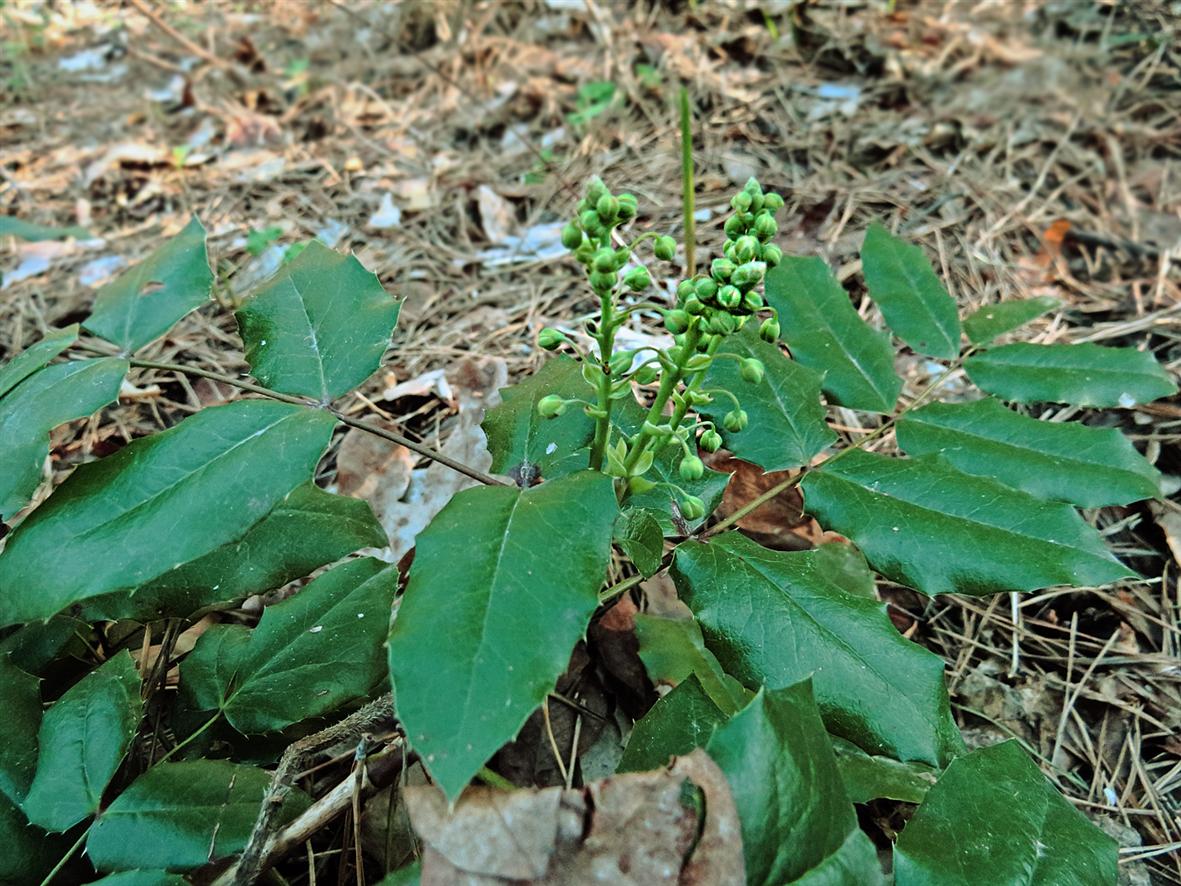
column 1032, row 146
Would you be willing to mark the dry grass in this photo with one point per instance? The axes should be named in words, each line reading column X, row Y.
column 1032, row 146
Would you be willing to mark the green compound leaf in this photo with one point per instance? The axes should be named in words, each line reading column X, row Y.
column 1083, row 375
column 1067, row 461
column 308, row 529
column 825, row 333
column 29, row 853
column 525, row 444
column 787, row 424
column 995, row 320
column 678, row 722
column 309, row 655
column 845, row 566
column 113, row 524
column 53, row 396
column 20, row 699
column 503, row 585
column 10, row 226
column 673, row 649
column 180, row 816
column 34, row 647
column 924, row 524
column 35, row 356
column 992, row 819
column 639, row 535
column 83, row 739
column 869, row 777
column 142, row 878
column 774, row 618
column 143, row 302
column 913, row 301
column 797, row 824
column 319, row 327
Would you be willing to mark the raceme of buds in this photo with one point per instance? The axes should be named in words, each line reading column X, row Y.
column 665, row 248
column 735, row 420
column 752, row 370
column 551, row 406
column 550, row 339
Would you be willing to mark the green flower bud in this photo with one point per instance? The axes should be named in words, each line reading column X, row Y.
column 698, row 362
column 734, row 227
column 749, row 274
column 693, row 305
column 711, row 440
column 692, row 508
column 765, row 227
column 590, row 221
column 735, row 420
column 550, row 339
column 676, row 321
column 722, row 323
column 746, row 248
column 571, row 237
column 691, row 468
column 605, row 261
column 705, row 288
column 665, row 248
column 684, row 289
column 772, row 201
column 772, row 255
column 721, row 269
column 596, row 190
column 627, row 207
column 756, row 202
column 752, row 370
column 601, row 282
column 607, row 207
column 621, row 362
column 637, row 279
column 728, row 251
column 585, row 253
column 752, row 186
column 646, row 374
column 740, row 201
column 769, row 330
column 752, row 301
column 729, row 297
column 551, row 406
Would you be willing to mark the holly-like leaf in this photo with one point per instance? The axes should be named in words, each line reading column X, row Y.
column 308, row 529
column 787, row 424
column 993, row 819
column 319, row 327
column 904, row 286
column 845, row 566
column 35, row 356
column 869, row 777
column 673, row 649
column 309, row 655
column 638, row 534
column 825, row 333
column 680, row 721
column 143, row 302
column 503, row 585
column 520, row 440
column 181, row 816
column 922, row 523
column 1067, row 461
column 48, row 398
column 82, row 740
column 991, row 321
column 774, row 618
column 142, row 878
column 35, row 646
column 797, row 824
column 29, row 853
column 158, row 503
column 1084, row 374
column 20, row 699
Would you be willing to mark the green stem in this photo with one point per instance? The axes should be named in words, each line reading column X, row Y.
column 192, row 737
column 606, row 341
column 687, row 184
column 668, row 384
column 495, row 779
column 65, row 858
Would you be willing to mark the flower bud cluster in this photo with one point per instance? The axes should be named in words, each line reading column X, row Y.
column 588, row 236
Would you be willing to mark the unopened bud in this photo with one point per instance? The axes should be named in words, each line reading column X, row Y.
column 596, row 190
column 721, row 269
column 691, row 468
column 605, row 261
column 705, row 288
column 752, row 370
column 752, row 186
column 769, row 330
column 764, row 226
column 692, row 508
column 740, row 201
column 628, row 206
column 722, row 323
column 734, row 227
column 693, row 305
column 607, row 207
column 637, row 279
column 772, row 255
column 601, row 282
column 746, row 249
column 711, row 440
column 676, row 322
column 729, row 297
column 665, row 248
column 551, row 406
column 550, row 339
column 735, row 420
column 571, row 237
column 752, row 301
column 684, row 289
column 772, row 201
column 621, row 362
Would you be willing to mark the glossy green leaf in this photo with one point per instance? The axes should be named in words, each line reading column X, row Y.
column 50, row 397
column 922, row 523
column 411, row 875
column 991, row 321
column 115, row 524
column 20, row 700
column 673, row 649
column 774, row 618
column 504, row 582
column 35, row 356
column 11, row 226
column 640, row 537
column 1083, row 375
column 992, row 819
column 28, row 852
column 143, row 302
column 526, row 445
column 905, row 287
column 35, row 646
column 680, row 721
column 797, row 824
column 1067, row 461
column 825, row 333
column 868, row 777
column 787, row 425
column 142, row 878
column 319, row 327
column 308, row 529
column 844, row 566
column 310, row 654
column 181, row 816
column 83, row 739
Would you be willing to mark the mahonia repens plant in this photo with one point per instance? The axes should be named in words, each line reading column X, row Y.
column 788, row 672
